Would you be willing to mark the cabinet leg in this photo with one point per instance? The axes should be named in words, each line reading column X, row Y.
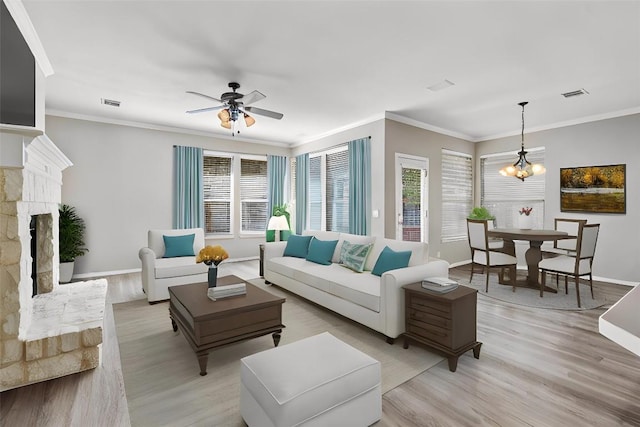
column 174, row 325
column 202, row 361
column 276, row 338
column 453, row 363
column 390, row 340
column 405, row 345
column 476, row 350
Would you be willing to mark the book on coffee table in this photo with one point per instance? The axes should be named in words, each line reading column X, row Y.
column 439, row 284
column 226, row 291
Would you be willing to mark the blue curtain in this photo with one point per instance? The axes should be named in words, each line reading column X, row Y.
column 359, row 185
column 302, row 188
column 188, row 204
column 276, row 172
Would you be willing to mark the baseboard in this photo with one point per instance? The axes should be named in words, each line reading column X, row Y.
column 597, row 278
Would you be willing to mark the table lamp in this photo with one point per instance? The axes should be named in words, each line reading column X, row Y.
column 278, row 223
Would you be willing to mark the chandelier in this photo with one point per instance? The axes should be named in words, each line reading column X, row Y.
column 522, row 168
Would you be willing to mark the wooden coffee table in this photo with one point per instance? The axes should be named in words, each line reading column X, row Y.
column 208, row 324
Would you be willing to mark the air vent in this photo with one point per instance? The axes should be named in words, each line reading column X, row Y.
column 575, row 93
column 441, row 85
column 110, row 102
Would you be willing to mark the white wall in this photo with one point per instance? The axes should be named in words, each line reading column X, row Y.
column 604, row 142
column 121, row 184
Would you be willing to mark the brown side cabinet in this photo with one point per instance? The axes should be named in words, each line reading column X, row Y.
column 444, row 322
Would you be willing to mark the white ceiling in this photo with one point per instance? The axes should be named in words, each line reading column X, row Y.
column 327, row 65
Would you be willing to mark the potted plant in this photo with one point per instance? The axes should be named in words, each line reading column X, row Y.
column 71, row 241
column 480, row 213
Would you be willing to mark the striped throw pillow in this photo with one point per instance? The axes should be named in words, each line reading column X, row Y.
column 354, row 256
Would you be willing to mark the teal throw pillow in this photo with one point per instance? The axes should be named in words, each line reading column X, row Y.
column 297, row 246
column 354, row 256
column 390, row 260
column 178, row 245
column 321, row 251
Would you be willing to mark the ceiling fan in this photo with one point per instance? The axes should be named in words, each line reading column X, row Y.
column 235, row 104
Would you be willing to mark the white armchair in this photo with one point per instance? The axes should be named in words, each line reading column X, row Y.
column 158, row 273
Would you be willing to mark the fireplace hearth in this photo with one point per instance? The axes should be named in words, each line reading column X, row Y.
column 47, row 330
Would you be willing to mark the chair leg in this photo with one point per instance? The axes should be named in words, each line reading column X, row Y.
column 566, row 284
column 487, row 281
column 512, row 277
column 543, row 282
column 578, row 290
column 591, row 285
column 471, row 278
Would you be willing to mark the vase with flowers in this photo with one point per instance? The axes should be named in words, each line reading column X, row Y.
column 525, row 220
column 212, row 256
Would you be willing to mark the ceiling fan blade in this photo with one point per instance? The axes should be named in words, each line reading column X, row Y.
column 204, row 96
column 202, row 110
column 253, row 97
column 266, row 113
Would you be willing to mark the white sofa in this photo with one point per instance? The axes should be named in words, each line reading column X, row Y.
column 376, row 302
column 159, row 273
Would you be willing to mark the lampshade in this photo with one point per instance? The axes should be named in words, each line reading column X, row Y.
column 278, row 223
column 249, row 121
column 226, row 125
column 224, row 116
column 522, row 168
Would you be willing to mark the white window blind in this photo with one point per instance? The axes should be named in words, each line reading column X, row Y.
column 315, row 193
column 253, row 195
column 292, row 174
column 457, row 195
column 505, row 196
column 217, row 175
column 338, row 191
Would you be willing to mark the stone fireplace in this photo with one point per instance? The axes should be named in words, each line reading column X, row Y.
column 47, row 330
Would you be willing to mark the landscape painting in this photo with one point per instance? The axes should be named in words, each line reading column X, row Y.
column 597, row 189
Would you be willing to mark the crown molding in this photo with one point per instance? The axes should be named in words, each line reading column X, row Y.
column 98, row 119
column 557, row 125
column 338, row 130
column 426, row 126
column 23, row 22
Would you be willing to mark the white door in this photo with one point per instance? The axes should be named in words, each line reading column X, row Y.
column 412, row 198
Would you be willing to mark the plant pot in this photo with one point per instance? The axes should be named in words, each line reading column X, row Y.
column 525, row 222
column 66, row 271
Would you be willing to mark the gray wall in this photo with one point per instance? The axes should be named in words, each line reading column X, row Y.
column 406, row 139
column 604, row 142
column 121, row 184
column 376, row 131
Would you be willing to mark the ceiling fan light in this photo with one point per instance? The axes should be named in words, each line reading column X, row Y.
column 224, row 116
column 226, row 125
column 249, row 121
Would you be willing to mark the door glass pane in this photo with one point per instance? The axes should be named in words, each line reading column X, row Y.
column 411, row 204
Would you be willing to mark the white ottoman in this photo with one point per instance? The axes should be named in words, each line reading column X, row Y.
column 317, row 381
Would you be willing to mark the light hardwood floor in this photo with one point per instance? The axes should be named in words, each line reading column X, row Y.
column 536, row 368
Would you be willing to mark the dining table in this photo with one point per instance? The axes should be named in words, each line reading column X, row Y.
column 533, row 255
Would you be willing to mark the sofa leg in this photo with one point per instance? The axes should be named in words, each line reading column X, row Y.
column 390, row 341
column 266, row 282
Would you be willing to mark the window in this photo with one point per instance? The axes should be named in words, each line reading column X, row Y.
column 337, row 199
column 457, row 195
column 253, row 195
column 329, row 190
column 217, row 194
column 220, row 183
column 505, row 196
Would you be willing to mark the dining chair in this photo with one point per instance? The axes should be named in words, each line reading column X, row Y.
column 494, row 242
column 566, row 246
column 577, row 265
column 481, row 253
